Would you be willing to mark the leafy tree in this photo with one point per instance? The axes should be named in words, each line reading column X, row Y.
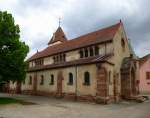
column 12, row 50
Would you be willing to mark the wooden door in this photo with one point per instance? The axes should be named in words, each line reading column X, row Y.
column 59, row 84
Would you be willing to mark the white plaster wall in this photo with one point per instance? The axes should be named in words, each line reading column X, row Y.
column 27, row 86
column 48, row 60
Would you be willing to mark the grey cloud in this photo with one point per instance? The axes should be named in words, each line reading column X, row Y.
column 88, row 17
column 40, row 42
column 24, row 7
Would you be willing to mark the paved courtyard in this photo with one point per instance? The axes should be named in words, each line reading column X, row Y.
column 55, row 108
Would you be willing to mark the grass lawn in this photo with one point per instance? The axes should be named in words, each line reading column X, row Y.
column 7, row 100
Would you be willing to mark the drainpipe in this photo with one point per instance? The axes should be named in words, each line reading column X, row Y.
column 76, row 91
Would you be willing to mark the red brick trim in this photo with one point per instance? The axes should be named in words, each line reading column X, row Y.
column 87, row 98
column 44, row 93
column 72, row 96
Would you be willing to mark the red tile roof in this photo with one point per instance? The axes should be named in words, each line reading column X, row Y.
column 100, row 36
column 82, row 61
column 144, row 59
column 59, row 35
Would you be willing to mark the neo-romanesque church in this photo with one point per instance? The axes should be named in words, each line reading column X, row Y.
column 98, row 66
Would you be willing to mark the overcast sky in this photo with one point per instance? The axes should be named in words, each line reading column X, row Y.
column 38, row 19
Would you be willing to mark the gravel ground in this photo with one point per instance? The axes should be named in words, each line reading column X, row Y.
column 56, row 108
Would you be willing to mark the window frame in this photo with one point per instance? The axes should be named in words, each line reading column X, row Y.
column 147, row 75
column 30, row 80
column 123, row 44
column 96, row 48
column 87, row 80
column 91, row 51
column 70, row 78
column 81, row 53
column 42, row 80
column 86, row 52
column 51, row 80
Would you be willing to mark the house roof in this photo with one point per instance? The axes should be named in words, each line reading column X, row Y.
column 82, row 61
column 100, row 36
column 144, row 59
column 59, row 35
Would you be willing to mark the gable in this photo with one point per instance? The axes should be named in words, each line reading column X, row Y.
column 145, row 60
column 123, row 43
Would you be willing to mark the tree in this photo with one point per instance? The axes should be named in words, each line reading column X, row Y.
column 12, row 50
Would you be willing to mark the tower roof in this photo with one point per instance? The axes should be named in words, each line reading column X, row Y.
column 59, row 35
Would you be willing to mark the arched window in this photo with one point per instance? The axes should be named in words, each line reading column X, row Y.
column 96, row 50
column 81, row 53
column 52, row 80
column 30, row 80
column 86, row 78
column 86, row 52
column 70, row 81
column 123, row 44
column 42, row 80
column 91, row 52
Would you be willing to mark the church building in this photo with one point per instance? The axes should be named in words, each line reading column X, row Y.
column 99, row 66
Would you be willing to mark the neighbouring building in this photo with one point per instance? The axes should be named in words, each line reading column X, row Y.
column 100, row 65
column 145, row 74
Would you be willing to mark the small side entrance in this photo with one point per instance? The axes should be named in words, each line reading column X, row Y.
column 60, row 78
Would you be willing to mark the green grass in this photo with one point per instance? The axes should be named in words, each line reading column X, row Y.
column 7, row 100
